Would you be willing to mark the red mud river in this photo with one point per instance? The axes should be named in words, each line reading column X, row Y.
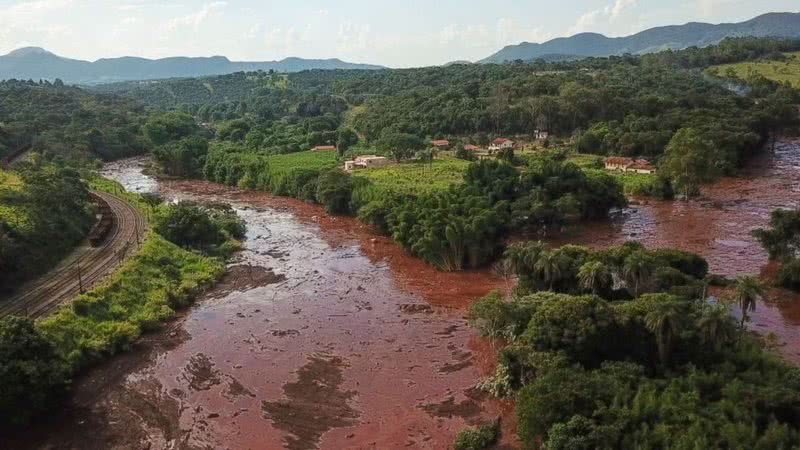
column 325, row 335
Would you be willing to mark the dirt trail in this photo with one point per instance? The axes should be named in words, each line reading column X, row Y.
column 43, row 295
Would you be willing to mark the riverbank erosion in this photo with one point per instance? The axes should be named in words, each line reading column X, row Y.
column 333, row 338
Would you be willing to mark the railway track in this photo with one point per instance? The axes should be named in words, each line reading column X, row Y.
column 85, row 267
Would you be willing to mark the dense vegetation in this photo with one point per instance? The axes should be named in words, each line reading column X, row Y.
column 63, row 121
column 211, row 228
column 782, row 242
column 619, row 349
column 631, row 106
column 782, row 68
column 44, row 212
column 147, row 290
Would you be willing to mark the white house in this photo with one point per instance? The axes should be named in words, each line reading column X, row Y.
column 366, row 162
column 501, row 144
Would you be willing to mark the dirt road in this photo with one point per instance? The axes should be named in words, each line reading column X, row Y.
column 43, row 295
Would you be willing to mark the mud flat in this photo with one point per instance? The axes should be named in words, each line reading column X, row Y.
column 322, row 335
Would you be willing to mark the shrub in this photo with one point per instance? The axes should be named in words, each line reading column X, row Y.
column 30, row 372
column 477, row 438
column 145, row 291
column 199, row 227
column 334, row 191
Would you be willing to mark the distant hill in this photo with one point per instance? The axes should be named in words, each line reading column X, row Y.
column 785, row 25
column 37, row 63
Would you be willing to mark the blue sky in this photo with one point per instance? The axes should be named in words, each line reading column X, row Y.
column 397, row 34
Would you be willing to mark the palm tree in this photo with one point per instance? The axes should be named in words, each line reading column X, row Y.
column 551, row 265
column 636, row 269
column 665, row 321
column 748, row 291
column 524, row 256
column 714, row 325
column 593, row 275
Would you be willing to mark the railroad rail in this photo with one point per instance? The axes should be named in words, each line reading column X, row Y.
column 84, row 267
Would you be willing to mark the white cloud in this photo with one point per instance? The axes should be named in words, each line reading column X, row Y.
column 607, row 15
column 352, row 37
column 196, row 19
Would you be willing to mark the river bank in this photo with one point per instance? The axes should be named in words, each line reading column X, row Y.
column 331, row 336
column 350, row 343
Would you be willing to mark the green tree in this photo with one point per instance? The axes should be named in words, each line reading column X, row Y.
column 747, row 292
column 691, row 160
column 637, row 269
column 345, row 138
column 714, row 325
column 401, row 145
column 665, row 321
column 30, row 371
column 551, row 265
column 593, row 275
column 170, row 126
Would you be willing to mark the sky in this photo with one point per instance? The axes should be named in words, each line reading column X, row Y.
column 401, row 33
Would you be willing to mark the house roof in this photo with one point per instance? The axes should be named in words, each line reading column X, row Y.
column 642, row 164
column 324, row 147
column 471, row 147
column 619, row 160
column 440, row 142
column 630, row 162
column 500, row 141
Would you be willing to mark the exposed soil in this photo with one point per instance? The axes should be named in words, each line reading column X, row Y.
column 350, row 343
column 313, row 405
column 337, row 345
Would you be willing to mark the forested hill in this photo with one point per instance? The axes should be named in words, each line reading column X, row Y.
column 65, row 121
column 36, row 63
column 785, row 25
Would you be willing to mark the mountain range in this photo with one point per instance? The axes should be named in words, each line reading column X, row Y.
column 37, row 63
column 783, row 25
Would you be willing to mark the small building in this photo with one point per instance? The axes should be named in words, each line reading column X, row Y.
column 501, row 144
column 366, row 162
column 541, row 134
column 323, row 148
column 440, row 144
column 623, row 164
column 471, row 148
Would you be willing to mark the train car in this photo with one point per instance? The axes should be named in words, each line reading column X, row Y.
column 105, row 221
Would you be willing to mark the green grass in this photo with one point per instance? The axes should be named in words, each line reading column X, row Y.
column 301, row 160
column 147, row 290
column 16, row 216
column 416, row 177
column 585, row 161
column 781, row 71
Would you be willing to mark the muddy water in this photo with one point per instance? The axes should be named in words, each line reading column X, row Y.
column 346, row 342
column 718, row 226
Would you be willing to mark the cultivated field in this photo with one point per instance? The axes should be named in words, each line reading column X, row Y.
column 416, row 177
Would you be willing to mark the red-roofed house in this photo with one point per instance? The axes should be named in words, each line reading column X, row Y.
column 323, row 148
column 629, row 165
column 471, row 148
column 501, row 144
column 441, row 144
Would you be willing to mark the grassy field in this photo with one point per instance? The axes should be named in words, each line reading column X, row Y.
column 10, row 214
column 415, row 177
column 303, row 160
column 782, row 71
